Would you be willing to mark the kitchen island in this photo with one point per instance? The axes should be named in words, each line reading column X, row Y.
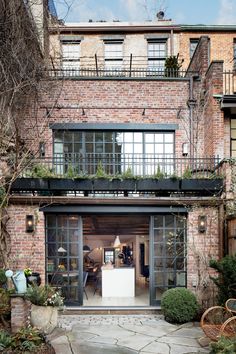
column 118, row 282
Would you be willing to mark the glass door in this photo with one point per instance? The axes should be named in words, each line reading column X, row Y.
column 168, row 252
column 64, row 256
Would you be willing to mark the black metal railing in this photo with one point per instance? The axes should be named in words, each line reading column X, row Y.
column 229, row 83
column 147, row 73
column 122, row 164
column 128, row 67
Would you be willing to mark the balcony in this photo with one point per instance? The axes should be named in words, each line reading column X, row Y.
column 129, row 68
column 144, row 173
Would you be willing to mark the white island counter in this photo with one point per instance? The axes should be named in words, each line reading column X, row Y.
column 118, row 282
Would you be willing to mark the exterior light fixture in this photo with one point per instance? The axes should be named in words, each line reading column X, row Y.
column 185, row 149
column 116, row 242
column 29, row 223
column 83, row 112
column 42, row 149
column 202, row 223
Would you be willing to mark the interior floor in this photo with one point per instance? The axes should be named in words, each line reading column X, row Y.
column 95, row 299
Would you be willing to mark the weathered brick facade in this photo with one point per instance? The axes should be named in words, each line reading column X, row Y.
column 190, row 103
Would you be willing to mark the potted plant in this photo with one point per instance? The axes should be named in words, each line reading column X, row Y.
column 32, row 277
column 45, row 302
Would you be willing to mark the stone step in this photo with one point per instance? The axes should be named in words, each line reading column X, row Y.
column 92, row 310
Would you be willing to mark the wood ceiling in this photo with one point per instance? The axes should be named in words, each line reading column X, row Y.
column 105, row 225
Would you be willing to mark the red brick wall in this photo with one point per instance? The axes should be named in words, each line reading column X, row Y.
column 214, row 129
column 114, row 101
column 201, row 247
column 27, row 248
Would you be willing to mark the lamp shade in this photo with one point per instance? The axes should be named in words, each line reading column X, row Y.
column 86, row 248
column 117, row 242
column 61, row 250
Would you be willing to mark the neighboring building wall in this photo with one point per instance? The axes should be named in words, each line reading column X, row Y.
column 213, row 116
column 27, row 248
column 221, row 46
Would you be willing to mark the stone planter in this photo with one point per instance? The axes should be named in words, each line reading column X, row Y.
column 44, row 318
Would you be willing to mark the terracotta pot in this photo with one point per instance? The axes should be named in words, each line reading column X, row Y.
column 44, row 318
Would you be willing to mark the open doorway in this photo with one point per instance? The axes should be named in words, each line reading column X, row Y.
column 116, row 260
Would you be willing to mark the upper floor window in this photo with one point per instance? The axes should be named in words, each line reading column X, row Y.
column 157, row 53
column 234, row 53
column 70, row 54
column 233, row 138
column 193, row 45
column 113, row 54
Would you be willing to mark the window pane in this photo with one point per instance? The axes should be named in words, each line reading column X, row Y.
column 233, row 133
column 158, row 221
column 233, row 123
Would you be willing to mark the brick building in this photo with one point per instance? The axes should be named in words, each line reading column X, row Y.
column 128, row 163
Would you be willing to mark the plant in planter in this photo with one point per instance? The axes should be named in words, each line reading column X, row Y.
column 32, row 277
column 45, row 304
column 172, row 66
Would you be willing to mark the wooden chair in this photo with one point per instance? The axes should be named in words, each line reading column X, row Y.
column 220, row 320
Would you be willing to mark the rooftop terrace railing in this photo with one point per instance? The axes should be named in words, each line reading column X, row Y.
column 127, row 67
column 122, row 164
column 148, row 73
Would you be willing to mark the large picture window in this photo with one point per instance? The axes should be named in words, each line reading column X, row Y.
column 141, row 152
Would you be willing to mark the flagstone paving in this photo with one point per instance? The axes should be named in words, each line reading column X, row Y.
column 120, row 334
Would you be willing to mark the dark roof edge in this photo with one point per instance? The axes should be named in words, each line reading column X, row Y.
column 202, row 27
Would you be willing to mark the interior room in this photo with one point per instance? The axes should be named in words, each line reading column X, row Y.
column 115, row 260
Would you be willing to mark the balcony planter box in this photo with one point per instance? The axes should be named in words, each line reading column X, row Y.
column 205, row 185
column 149, row 185
column 102, row 184
column 67, row 184
column 30, row 184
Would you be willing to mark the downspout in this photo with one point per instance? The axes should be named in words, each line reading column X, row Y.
column 171, row 42
column 191, row 105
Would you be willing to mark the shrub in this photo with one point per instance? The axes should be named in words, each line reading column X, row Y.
column 224, row 346
column 5, row 340
column 226, row 280
column 3, row 278
column 27, row 339
column 179, row 305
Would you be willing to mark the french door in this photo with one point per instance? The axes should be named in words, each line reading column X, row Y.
column 64, row 256
column 167, row 254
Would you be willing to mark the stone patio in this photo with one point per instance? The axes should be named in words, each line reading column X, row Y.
column 124, row 334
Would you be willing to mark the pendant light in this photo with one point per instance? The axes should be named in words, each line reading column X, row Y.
column 116, row 242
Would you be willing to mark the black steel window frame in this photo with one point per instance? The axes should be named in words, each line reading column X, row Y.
column 83, row 148
column 160, row 250
column 62, row 267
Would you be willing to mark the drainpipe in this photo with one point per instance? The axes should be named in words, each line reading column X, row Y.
column 191, row 105
column 171, row 42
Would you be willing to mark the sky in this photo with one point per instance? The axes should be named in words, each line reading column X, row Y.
column 180, row 11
